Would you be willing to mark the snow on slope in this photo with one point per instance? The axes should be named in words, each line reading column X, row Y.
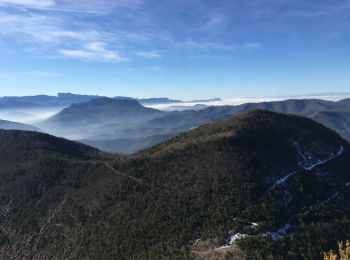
column 307, row 163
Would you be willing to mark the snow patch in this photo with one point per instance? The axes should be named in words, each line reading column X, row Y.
column 313, row 166
column 280, row 233
column 285, row 178
column 231, row 240
column 333, row 196
column 195, row 242
column 306, row 163
column 337, row 193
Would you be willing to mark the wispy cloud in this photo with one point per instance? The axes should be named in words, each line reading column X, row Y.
column 330, row 9
column 95, row 51
column 71, row 34
column 100, row 6
column 78, row 25
column 149, row 54
column 29, row 3
column 129, row 28
column 43, row 28
column 54, row 35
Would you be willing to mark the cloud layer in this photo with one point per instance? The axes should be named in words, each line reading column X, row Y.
column 240, row 101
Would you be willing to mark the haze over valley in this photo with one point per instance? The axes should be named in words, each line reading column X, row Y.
column 127, row 125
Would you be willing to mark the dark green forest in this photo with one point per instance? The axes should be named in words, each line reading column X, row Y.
column 64, row 200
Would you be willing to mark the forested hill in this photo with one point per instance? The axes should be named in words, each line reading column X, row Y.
column 262, row 185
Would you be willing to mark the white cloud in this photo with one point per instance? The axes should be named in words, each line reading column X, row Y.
column 52, row 34
column 100, row 6
column 48, row 34
column 149, row 54
column 95, row 51
column 240, row 101
column 42, row 28
column 29, row 3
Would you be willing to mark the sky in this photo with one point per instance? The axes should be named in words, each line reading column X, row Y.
column 187, row 49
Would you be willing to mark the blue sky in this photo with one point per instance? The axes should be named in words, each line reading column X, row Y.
column 177, row 48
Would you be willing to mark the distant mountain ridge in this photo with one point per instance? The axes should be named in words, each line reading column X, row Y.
column 307, row 107
column 115, row 124
column 67, row 99
column 99, row 123
column 62, row 99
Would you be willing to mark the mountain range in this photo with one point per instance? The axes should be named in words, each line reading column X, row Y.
column 124, row 125
column 67, row 99
column 259, row 185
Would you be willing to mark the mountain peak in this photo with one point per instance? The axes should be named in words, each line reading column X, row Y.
column 95, row 117
column 112, row 101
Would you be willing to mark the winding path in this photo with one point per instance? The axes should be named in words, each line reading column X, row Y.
column 107, row 165
column 118, row 172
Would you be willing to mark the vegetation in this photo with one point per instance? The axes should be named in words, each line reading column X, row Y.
column 61, row 199
column 343, row 252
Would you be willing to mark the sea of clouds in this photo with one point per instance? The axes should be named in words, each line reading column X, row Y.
column 239, row 101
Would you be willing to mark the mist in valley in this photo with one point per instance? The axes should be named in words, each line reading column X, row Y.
column 28, row 115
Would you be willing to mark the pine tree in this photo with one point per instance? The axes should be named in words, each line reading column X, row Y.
column 342, row 254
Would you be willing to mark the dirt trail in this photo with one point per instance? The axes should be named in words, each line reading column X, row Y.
column 120, row 173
